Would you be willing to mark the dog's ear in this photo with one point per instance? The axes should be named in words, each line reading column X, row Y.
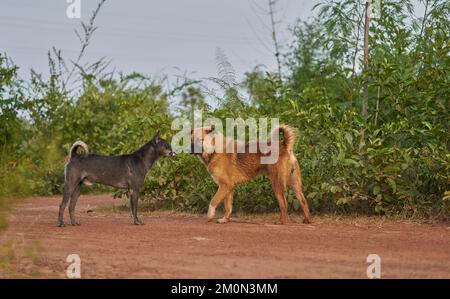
column 211, row 130
column 157, row 137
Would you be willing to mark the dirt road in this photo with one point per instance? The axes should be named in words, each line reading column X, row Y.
column 186, row 246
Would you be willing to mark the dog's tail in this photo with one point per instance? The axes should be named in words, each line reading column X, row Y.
column 75, row 146
column 289, row 135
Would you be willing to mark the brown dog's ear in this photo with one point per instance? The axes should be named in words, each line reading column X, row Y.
column 211, row 129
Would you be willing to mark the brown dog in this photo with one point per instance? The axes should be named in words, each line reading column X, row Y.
column 231, row 169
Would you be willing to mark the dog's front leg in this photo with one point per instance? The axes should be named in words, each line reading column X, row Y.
column 228, row 204
column 220, row 194
column 133, row 206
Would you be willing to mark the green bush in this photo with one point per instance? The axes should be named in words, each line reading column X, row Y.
column 394, row 161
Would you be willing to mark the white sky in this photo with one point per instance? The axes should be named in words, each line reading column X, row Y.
column 148, row 36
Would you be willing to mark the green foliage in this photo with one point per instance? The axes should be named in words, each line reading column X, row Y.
column 396, row 162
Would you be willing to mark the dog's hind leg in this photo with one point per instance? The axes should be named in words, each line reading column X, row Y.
column 279, row 187
column 220, row 194
column 228, row 203
column 67, row 193
column 295, row 182
column 72, row 204
column 133, row 207
column 279, row 194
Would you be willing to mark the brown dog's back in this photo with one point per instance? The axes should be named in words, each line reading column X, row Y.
column 242, row 167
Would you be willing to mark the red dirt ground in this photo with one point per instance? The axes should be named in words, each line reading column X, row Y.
column 173, row 245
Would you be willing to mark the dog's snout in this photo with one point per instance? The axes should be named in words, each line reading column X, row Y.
column 172, row 154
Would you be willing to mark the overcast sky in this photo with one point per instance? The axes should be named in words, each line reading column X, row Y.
column 149, row 36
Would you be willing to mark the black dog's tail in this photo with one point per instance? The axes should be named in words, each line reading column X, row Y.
column 75, row 146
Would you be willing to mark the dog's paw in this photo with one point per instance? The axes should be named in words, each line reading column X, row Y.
column 223, row 220
column 61, row 224
column 138, row 222
column 306, row 221
column 211, row 213
column 282, row 221
column 76, row 223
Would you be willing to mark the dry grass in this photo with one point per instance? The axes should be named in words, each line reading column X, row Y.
column 273, row 218
column 16, row 263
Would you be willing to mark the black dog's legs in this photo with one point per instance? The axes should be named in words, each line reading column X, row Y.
column 72, row 204
column 67, row 193
column 133, row 205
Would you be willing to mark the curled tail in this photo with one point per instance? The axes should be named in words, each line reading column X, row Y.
column 75, row 146
column 289, row 135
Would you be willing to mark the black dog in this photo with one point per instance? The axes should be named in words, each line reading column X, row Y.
column 124, row 171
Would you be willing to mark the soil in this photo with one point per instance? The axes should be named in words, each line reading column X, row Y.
column 175, row 245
